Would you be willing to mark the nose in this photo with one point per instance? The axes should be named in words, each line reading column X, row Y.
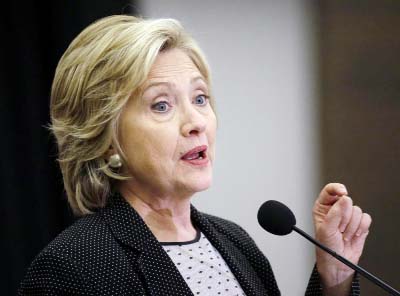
column 194, row 123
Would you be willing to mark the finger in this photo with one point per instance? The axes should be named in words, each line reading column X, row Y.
column 339, row 215
column 347, row 211
column 331, row 192
column 365, row 223
column 336, row 189
column 359, row 241
column 354, row 224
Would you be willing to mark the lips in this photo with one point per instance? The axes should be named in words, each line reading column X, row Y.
column 197, row 153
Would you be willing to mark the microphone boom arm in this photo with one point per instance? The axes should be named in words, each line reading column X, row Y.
column 355, row 267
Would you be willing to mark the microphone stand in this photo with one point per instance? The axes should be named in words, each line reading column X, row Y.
column 355, row 267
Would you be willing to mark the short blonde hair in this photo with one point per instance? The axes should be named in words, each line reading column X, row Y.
column 103, row 67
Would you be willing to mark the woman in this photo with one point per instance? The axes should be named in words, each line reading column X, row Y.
column 135, row 125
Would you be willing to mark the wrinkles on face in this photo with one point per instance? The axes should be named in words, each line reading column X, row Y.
column 154, row 142
column 171, row 69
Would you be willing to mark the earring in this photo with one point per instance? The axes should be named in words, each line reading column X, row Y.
column 115, row 161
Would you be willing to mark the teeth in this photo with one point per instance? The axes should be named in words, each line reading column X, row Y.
column 195, row 156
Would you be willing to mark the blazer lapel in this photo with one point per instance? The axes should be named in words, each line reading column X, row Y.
column 240, row 267
column 161, row 277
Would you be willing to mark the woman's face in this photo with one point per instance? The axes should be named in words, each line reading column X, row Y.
column 168, row 133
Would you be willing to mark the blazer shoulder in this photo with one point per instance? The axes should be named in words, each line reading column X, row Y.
column 67, row 264
column 227, row 227
column 54, row 274
column 85, row 232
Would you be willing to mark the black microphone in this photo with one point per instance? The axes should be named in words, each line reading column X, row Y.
column 278, row 219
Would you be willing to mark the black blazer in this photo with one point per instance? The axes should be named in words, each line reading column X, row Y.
column 113, row 252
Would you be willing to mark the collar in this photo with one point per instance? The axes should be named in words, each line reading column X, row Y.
column 126, row 224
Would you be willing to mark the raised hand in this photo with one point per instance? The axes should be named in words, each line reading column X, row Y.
column 342, row 227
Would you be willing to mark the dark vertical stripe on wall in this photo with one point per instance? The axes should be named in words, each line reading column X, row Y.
column 33, row 208
column 360, row 98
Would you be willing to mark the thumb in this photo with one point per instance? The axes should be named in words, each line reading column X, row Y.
column 330, row 193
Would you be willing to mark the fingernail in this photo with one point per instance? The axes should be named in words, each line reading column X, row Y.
column 358, row 233
column 344, row 189
column 346, row 238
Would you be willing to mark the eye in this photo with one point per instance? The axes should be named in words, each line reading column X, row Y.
column 201, row 100
column 161, row 107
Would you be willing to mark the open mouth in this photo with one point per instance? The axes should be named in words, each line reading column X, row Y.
column 198, row 153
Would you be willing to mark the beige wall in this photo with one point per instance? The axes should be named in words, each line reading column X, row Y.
column 261, row 54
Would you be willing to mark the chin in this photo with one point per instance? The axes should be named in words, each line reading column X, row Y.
column 202, row 187
column 198, row 184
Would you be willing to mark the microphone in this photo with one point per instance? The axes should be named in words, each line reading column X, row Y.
column 278, row 219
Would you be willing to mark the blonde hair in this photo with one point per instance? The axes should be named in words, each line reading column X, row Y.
column 103, row 67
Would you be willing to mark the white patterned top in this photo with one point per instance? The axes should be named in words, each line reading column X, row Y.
column 202, row 267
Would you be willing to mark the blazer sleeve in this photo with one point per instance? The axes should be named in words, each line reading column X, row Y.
column 54, row 274
column 314, row 287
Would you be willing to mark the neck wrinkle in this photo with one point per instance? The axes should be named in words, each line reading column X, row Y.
column 168, row 218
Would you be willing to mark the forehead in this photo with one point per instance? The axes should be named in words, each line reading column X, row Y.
column 172, row 63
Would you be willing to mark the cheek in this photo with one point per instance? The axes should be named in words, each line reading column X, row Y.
column 150, row 157
column 163, row 147
column 157, row 143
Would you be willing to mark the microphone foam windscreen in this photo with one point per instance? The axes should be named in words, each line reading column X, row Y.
column 276, row 218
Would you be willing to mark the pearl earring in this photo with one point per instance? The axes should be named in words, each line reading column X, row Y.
column 115, row 161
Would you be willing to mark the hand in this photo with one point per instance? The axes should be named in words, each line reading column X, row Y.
column 343, row 228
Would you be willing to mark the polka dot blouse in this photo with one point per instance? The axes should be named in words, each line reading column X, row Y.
column 202, row 267
column 113, row 252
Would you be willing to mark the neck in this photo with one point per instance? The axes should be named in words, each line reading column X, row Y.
column 167, row 217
